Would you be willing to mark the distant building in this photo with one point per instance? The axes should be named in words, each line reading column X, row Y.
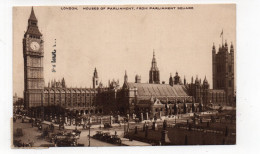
column 18, row 103
column 15, row 99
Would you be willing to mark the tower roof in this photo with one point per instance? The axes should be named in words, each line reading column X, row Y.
column 226, row 43
column 205, row 81
column 154, row 63
column 95, row 73
column 196, row 80
column 32, row 16
column 145, row 90
column 32, row 28
column 125, row 77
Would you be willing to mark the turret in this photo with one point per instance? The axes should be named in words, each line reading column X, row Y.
column 154, row 74
column 171, row 80
column 95, row 79
column 226, row 45
column 205, row 83
column 177, row 79
column 137, row 78
column 125, row 77
column 213, row 49
column 197, row 82
column 63, row 84
column 54, row 83
column 231, row 48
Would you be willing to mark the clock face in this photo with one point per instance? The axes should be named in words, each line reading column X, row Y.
column 35, row 46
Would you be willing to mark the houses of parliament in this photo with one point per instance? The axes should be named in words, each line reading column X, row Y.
column 153, row 98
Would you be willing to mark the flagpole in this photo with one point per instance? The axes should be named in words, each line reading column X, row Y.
column 222, row 37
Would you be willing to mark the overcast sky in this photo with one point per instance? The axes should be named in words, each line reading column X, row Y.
column 115, row 41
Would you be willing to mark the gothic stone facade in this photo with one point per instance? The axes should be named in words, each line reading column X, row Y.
column 223, row 71
column 79, row 100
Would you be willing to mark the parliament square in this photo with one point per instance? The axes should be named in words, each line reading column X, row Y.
column 135, row 105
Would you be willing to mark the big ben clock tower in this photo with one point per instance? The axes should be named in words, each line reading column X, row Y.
column 33, row 64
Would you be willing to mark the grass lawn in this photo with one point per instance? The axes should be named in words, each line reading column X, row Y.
column 177, row 137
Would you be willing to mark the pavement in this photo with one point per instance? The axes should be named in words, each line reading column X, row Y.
column 30, row 134
column 127, row 142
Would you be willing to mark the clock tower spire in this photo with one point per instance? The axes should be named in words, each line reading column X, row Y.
column 32, row 28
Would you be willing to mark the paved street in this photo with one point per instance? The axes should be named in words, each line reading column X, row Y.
column 31, row 134
column 34, row 135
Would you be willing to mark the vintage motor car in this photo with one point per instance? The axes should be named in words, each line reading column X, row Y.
column 66, row 142
column 106, row 136
column 98, row 135
column 115, row 139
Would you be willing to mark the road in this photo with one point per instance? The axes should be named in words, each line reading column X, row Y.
column 32, row 134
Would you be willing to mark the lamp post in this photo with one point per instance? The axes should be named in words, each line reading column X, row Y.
column 42, row 108
column 124, row 126
column 175, row 119
column 89, row 133
column 89, row 117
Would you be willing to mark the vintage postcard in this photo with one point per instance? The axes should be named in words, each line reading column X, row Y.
column 133, row 75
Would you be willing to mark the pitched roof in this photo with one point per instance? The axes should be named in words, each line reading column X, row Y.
column 32, row 16
column 158, row 90
column 33, row 31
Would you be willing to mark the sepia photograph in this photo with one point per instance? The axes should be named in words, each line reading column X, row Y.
column 124, row 75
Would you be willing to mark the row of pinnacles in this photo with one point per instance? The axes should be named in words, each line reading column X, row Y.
column 176, row 80
column 57, row 84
